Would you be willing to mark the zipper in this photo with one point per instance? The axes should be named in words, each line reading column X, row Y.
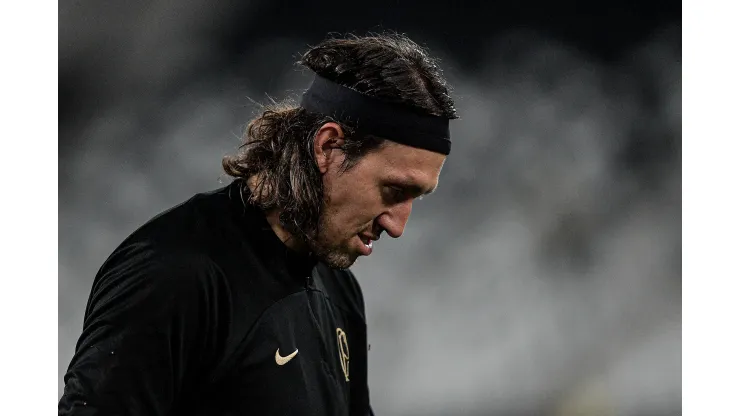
column 314, row 318
column 327, row 354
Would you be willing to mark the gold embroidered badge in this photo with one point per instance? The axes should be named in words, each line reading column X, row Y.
column 343, row 352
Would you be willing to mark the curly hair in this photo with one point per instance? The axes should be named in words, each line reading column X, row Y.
column 278, row 145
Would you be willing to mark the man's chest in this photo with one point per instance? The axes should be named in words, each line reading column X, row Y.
column 296, row 359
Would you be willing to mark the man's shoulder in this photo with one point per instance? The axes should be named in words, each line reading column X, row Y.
column 187, row 226
column 180, row 237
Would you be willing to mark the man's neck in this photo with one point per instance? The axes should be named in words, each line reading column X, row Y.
column 273, row 218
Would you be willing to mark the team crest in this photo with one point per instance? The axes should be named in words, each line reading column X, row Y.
column 343, row 352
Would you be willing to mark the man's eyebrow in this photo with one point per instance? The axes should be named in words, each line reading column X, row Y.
column 413, row 187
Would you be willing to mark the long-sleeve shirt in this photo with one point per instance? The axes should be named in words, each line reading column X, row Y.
column 204, row 311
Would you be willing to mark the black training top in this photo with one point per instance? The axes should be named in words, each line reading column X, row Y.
column 204, row 311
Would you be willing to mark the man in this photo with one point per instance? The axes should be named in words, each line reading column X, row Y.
column 239, row 301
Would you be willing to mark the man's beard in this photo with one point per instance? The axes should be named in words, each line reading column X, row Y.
column 335, row 256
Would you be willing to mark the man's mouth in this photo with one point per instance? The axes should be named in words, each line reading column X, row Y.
column 367, row 241
column 367, row 244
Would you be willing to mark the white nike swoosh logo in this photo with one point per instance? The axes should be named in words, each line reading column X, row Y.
column 280, row 360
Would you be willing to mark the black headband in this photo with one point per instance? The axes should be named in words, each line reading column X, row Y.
column 399, row 123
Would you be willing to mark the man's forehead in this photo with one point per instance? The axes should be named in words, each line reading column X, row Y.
column 397, row 153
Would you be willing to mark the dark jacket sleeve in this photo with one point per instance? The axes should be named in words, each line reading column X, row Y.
column 148, row 331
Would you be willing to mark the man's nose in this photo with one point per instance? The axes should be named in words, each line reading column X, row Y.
column 394, row 220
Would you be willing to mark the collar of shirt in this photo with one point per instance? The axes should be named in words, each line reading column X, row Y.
column 271, row 248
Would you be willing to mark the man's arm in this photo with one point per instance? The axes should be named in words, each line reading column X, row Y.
column 145, row 336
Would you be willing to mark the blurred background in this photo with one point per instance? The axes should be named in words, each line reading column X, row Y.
column 542, row 278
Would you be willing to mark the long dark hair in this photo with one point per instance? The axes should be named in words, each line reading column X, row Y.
column 278, row 145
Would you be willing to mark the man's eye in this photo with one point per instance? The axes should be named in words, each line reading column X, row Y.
column 395, row 193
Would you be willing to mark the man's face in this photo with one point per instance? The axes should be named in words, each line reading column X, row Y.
column 372, row 197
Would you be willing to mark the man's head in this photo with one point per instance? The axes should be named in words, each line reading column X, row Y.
column 330, row 184
column 373, row 197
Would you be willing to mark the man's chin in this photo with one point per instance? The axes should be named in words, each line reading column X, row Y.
column 337, row 259
column 340, row 262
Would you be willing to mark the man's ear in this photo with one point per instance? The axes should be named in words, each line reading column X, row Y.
column 326, row 146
